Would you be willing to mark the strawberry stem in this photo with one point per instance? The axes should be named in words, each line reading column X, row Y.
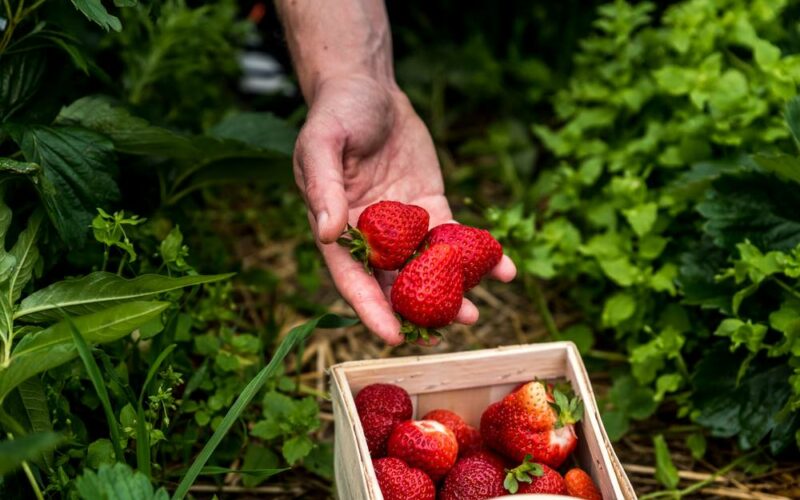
column 568, row 410
column 414, row 333
column 523, row 473
column 354, row 240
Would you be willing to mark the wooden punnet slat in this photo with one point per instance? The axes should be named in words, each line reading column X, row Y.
column 467, row 382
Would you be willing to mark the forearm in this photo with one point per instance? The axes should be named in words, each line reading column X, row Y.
column 331, row 38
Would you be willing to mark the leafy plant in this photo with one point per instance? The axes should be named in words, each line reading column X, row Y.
column 651, row 195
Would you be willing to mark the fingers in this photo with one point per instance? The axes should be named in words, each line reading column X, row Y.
column 468, row 314
column 319, row 174
column 505, row 270
column 363, row 293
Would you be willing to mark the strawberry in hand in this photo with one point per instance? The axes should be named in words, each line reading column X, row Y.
column 387, row 234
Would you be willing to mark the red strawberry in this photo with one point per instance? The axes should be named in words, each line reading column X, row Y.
column 534, row 420
column 468, row 437
column 480, row 252
column 476, row 477
column 380, row 408
column 386, row 399
column 530, row 477
column 425, row 444
column 427, row 292
column 387, row 234
column 580, row 485
column 398, row 481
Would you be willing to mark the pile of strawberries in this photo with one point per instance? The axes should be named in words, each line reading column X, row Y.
column 523, row 439
column 436, row 267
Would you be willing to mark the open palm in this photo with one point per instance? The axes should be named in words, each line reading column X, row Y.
column 363, row 143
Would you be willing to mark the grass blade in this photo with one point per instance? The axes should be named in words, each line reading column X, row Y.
column 142, row 443
column 297, row 335
column 97, row 380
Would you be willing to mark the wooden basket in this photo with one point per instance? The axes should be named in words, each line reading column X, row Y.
column 467, row 382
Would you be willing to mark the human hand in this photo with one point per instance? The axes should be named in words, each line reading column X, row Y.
column 363, row 143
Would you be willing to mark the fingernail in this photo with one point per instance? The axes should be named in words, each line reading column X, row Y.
column 322, row 221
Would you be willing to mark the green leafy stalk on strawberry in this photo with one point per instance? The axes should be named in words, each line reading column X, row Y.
column 569, row 410
column 523, row 473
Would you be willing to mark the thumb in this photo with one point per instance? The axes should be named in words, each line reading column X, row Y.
column 319, row 174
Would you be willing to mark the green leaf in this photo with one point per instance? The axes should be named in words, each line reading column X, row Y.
column 100, row 452
column 78, row 169
column 642, row 217
column 130, row 134
column 581, row 334
column 616, row 424
column 793, row 117
column 618, row 308
column 51, row 347
column 784, row 166
column 99, row 290
column 263, row 131
column 296, row 335
column 666, row 473
column 296, row 448
column 320, row 460
column 20, row 77
column 25, row 448
column 117, row 482
column 697, row 445
column 752, row 207
column 99, row 384
column 261, row 459
column 741, row 332
column 95, row 12
column 26, row 255
column 9, row 166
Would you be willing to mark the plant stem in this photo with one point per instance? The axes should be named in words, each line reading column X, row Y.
column 608, row 356
column 788, row 288
column 32, row 480
column 10, row 424
column 122, row 264
column 105, row 259
column 535, row 292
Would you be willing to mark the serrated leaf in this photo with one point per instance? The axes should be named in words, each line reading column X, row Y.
column 751, row 207
column 26, row 255
column 784, row 166
column 117, row 481
column 95, row 12
column 20, row 77
column 129, row 133
column 77, row 174
column 100, row 290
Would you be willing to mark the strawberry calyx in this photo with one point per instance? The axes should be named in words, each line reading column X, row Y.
column 415, row 333
column 523, row 473
column 354, row 241
column 569, row 410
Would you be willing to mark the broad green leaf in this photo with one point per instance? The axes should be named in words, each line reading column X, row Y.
column 642, row 217
column 130, row 134
column 7, row 261
column 33, row 398
column 263, row 131
column 784, row 166
column 77, row 176
column 99, row 290
column 581, row 334
column 51, row 347
column 26, row 254
column 742, row 332
column 753, row 207
column 787, row 321
column 618, row 308
column 620, row 270
column 25, row 448
column 258, row 457
column 100, row 452
column 296, row 335
column 95, row 12
column 320, row 460
column 296, row 448
column 118, row 482
column 666, row 473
